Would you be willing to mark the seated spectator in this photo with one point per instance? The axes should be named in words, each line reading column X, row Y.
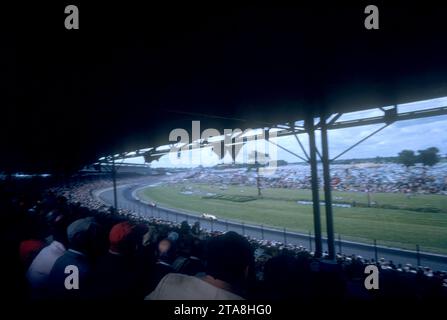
column 119, row 274
column 281, row 278
column 185, row 228
column 173, row 236
column 28, row 250
column 196, row 228
column 227, row 259
column 82, row 235
column 193, row 264
column 163, row 265
column 39, row 271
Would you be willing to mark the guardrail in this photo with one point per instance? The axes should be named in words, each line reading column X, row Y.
column 143, row 207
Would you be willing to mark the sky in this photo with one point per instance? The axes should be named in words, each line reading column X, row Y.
column 414, row 134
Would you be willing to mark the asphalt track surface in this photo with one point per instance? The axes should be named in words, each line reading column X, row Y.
column 127, row 200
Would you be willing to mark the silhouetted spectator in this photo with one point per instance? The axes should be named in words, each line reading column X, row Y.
column 82, row 236
column 196, row 228
column 185, row 228
column 228, row 258
column 39, row 271
column 163, row 265
column 28, row 250
column 280, row 276
column 193, row 264
column 119, row 274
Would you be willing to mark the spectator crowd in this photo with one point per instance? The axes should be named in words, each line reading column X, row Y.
column 119, row 255
column 363, row 177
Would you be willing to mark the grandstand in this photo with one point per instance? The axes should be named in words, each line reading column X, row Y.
column 245, row 230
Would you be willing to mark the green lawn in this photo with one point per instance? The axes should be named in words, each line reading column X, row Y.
column 278, row 207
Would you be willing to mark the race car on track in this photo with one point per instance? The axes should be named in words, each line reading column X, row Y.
column 208, row 216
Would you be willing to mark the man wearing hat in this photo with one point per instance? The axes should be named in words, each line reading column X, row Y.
column 82, row 236
column 228, row 257
column 39, row 271
column 119, row 274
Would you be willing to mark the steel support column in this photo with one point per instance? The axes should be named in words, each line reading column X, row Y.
column 314, row 181
column 327, row 189
column 115, row 199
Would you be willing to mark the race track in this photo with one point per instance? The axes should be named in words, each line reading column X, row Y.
column 127, row 200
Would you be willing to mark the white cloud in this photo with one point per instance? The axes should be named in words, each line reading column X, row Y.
column 409, row 134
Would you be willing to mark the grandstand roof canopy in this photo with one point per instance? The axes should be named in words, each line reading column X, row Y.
column 130, row 75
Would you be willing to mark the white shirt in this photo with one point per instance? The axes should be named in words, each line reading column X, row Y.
column 176, row 286
column 40, row 268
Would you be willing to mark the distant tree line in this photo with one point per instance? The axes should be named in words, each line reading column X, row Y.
column 377, row 159
column 428, row 157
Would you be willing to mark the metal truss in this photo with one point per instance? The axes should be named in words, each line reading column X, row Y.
column 326, row 122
